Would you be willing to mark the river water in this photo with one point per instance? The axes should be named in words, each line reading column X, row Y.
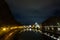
column 30, row 35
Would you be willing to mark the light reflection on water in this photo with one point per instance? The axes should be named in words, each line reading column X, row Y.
column 30, row 34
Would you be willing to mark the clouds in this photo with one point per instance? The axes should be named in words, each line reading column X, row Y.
column 30, row 3
column 30, row 11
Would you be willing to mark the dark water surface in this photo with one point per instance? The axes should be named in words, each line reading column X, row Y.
column 30, row 35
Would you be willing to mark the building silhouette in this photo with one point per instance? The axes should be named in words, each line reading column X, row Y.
column 52, row 21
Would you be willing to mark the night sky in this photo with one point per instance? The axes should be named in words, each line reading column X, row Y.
column 31, row 11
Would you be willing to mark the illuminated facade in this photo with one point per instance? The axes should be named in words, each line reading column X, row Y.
column 52, row 24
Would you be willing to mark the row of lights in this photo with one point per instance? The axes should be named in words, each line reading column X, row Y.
column 52, row 28
column 9, row 28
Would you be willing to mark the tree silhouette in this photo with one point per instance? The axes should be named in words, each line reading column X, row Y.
column 6, row 17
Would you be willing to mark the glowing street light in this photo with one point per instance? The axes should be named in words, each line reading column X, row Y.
column 30, row 29
column 4, row 29
column 30, row 26
column 58, row 23
column 52, row 28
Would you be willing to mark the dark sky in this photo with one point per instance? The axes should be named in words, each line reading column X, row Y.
column 31, row 11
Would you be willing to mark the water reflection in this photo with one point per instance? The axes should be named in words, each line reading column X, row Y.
column 30, row 34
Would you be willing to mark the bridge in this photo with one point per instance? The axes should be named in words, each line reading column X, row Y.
column 8, row 32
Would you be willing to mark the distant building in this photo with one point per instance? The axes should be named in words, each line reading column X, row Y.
column 37, row 25
column 52, row 21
